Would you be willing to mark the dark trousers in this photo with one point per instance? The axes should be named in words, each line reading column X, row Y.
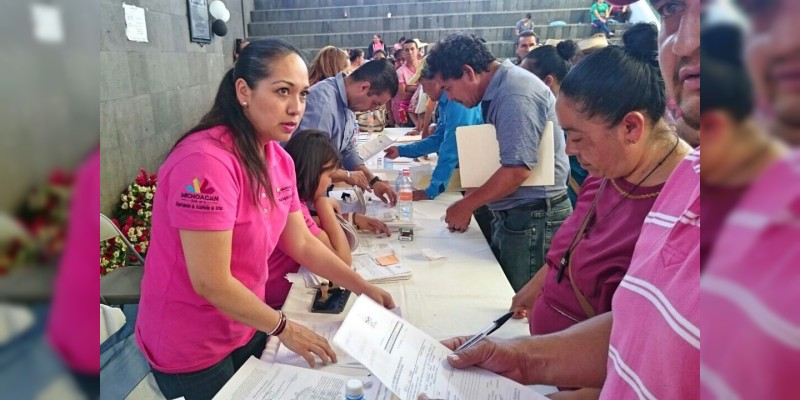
column 621, row 17
column 483, row 216
column 204, row 384
column 602, row 26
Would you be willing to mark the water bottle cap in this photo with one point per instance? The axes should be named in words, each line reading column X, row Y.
column 355, row 388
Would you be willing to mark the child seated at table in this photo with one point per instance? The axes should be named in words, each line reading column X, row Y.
column 315, row 160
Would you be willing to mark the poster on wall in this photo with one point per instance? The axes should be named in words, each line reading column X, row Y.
column 135, row 24
column 199, row 26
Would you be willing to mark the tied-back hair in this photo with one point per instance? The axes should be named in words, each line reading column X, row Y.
column 355, row 54
column 327, row 63
column 616, row 80
column 380, row 74
column 552, row 60
column 253, row 66
column 311, row 150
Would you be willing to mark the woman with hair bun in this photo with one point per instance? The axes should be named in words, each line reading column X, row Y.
column 611, row 107
column 551, row 64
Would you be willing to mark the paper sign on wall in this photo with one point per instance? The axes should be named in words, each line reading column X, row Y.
column 135, row 24
column 479, row 156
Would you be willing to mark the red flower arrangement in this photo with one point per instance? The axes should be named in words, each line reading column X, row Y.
column 133, row 218
column 43, row 218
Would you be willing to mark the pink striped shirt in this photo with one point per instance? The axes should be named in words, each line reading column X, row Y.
column 750, row 293
column 654, row 350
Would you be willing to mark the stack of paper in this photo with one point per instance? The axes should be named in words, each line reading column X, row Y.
column 390, row 217
column 257, row 380
column 373, row 244
column 368, row 267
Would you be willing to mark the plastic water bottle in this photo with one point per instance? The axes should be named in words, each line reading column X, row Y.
column 405, row 203
column 355, row 390
column 398, row 183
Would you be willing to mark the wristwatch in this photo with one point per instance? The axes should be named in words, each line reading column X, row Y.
column 374, row 180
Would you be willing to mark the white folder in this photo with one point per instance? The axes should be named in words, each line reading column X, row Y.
column 479, row 156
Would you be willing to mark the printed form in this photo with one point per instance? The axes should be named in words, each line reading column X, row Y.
column 410, row 362
column 258, row 380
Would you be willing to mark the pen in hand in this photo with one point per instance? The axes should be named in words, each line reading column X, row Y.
column 486, row 332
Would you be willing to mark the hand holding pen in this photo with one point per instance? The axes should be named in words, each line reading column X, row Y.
column 495, row 325
column 501, row 356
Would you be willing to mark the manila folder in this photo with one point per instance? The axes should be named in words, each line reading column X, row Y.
column 479, row 156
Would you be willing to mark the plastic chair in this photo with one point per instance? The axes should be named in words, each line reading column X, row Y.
column 124, row 284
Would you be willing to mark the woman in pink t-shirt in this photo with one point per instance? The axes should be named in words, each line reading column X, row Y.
column 227, row 197
column 630, row 151
column 315, row 162
column 375, row 45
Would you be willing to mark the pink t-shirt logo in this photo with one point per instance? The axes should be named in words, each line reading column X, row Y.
column 196, row 187
column 199, row 196
column 284, row 193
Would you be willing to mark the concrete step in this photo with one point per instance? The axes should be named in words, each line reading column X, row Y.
column 492, row 34
column 411, row 23
column 371, row 11
column 397, row 10
column 500, row 48
column 387, row 5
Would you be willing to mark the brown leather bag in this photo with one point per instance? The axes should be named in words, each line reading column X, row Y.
column 373, row 121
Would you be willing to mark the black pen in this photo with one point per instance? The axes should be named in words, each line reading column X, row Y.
column 486, row 332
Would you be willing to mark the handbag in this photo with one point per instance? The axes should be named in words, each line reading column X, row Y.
column 371, row 121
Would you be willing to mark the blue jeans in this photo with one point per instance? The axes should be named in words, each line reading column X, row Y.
column 122, row 364
column 602, row 26
column 521, row 238
column 204, row 384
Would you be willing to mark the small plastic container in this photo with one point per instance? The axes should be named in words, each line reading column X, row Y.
column 354, row 390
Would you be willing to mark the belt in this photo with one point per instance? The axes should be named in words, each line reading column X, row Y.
column 538, row 204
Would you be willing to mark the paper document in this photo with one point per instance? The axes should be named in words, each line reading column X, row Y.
column 410, row 362
column 368, row 268
column 326, row 329
column 364, row 265
column 479, row 156
column 373, row 147
column 373, row 244
column 390, row 217
column 135, row 23
column 408, row 139
column 258, row 380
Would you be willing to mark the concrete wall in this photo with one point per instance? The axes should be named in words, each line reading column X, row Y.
column 150, row 93
column 313, row 24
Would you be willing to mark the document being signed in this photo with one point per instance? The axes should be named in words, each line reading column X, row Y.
column 409, row 362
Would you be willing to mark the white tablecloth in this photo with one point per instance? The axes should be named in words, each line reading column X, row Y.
column 459, row 295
